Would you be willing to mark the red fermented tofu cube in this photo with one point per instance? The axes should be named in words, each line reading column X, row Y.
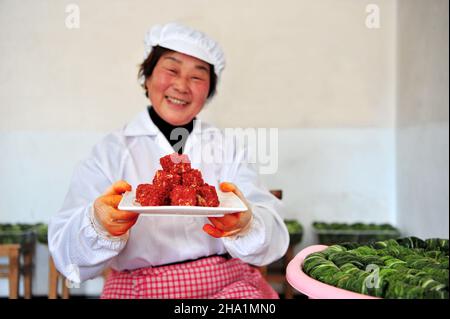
column 192, row 178
column 207, row 196
column 175, row 163
column 166, row 180
column 183, row 196
column 151, row 195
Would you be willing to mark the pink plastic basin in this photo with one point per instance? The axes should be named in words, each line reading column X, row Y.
column 312, row 288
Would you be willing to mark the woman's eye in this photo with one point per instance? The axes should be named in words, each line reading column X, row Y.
column 172, row 71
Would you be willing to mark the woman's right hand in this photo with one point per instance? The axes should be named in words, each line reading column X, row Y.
column 115, row 222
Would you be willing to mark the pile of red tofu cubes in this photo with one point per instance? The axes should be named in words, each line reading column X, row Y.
column 177, row 184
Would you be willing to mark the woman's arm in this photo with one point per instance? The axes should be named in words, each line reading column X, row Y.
column 80, row 247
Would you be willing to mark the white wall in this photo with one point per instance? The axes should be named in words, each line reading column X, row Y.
column 290, row 63
column 422, row 118
column 337, row 175
column 310, row 68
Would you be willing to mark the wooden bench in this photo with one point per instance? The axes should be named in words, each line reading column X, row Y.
column 14, row 269
column 54, row 276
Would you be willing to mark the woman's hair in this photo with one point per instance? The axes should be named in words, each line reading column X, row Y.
column 146, row 69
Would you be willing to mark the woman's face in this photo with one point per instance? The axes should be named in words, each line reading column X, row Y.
column 178, row 87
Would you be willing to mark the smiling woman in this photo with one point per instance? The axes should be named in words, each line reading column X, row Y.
column 166, row 256
column 147, row 66
column 178, row 87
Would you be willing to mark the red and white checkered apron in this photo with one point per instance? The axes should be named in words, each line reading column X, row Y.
column 213, row 277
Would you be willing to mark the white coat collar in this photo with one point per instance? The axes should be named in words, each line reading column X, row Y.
column 143, row 125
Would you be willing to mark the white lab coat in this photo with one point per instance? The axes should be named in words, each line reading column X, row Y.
column 80, row 252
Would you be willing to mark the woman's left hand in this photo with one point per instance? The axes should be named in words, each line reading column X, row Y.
column 230, row 224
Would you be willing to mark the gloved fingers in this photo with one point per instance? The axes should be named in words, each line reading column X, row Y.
column 116, row 229
column 230, row 220
column 123, row 215
column 227, row 187
column 123, row 221
column 130, row 223
column 118, row 188
column 230, row 187
column 115, row 221
column 227, row 222
column 212, row 231
column 115, row 225
column 216, row 222
column 218, row 233
column 106, row 212
column 110, row 200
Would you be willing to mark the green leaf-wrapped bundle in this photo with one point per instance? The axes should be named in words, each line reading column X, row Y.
column 404, row 268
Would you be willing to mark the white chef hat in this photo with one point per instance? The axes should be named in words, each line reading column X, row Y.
column 180, row 38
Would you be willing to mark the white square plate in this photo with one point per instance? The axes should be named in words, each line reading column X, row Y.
column 229, row 203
